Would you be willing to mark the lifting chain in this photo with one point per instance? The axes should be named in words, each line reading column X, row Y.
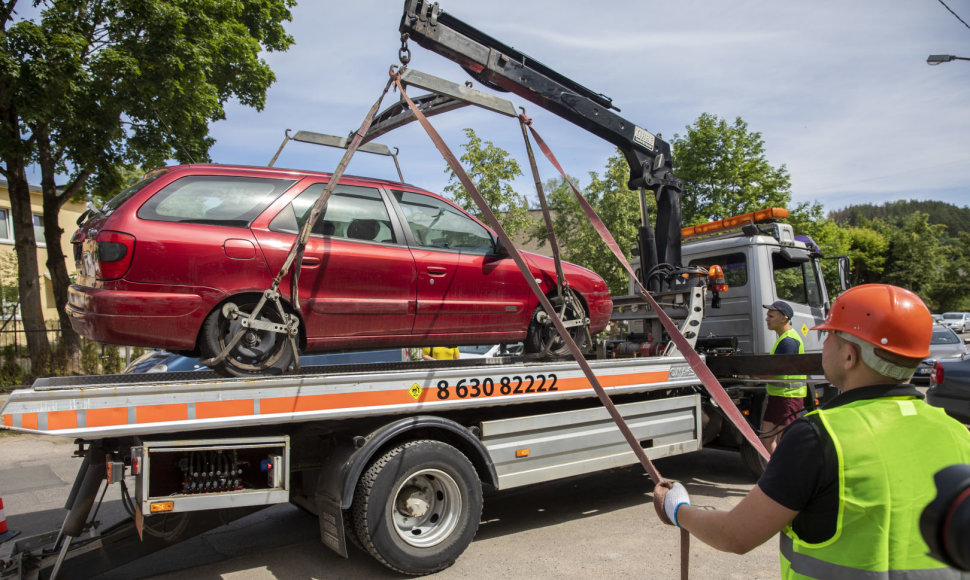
column 404, row 53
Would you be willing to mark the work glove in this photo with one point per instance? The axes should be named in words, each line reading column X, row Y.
column 667, row 499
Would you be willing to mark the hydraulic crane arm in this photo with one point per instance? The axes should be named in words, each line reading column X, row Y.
column 504, row 68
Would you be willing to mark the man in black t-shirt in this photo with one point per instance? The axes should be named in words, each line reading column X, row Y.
column 846, row 484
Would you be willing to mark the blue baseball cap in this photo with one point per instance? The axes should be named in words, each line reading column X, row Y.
column 782, row 307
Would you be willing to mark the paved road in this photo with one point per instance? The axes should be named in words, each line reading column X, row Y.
column 601, row 524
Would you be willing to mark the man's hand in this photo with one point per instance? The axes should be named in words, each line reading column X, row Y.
column 667, row 498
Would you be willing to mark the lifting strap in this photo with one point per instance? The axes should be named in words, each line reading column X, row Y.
column 520, row 262
column 705, row 375
column 550, row 310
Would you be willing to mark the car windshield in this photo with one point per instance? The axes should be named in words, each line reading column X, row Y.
column 944, row 336
column 953, row 315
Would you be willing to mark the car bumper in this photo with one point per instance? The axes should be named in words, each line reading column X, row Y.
column 601, row 309
column 168, row 320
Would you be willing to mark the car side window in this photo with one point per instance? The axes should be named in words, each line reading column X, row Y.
column 352, row 212
column 213, row 199
column 436, row 224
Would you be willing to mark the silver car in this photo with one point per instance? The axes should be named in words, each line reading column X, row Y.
column 958, row 321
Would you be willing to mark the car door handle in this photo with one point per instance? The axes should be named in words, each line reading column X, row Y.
column 437, row 271
column 310, row 262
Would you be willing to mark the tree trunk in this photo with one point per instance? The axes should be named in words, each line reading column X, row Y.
column 31, row 306
column 56, row 260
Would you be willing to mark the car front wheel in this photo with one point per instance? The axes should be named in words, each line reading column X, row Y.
column 542, row 337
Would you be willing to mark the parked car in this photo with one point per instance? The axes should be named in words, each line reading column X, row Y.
column 937, row 318
column 490, row 350
column 944, row 344
column 958, row 321
column 170, row 262
column 950, row 387
column 161, row 361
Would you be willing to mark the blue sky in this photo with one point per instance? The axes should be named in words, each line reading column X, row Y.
column 840, row 91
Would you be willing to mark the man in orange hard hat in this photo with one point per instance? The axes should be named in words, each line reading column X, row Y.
column 847, row 483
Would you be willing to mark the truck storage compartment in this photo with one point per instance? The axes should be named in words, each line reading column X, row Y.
column 190, row 475
column 544, row 447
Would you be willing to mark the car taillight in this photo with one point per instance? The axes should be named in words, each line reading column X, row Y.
column 937, row 376
column 115, row 251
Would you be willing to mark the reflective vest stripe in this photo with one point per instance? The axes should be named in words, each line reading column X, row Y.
column 805, row 566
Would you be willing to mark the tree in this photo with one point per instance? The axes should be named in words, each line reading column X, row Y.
column 93, row 86
column 491, row 169
column 616, row 205
column 917, row 255
column 725, row 171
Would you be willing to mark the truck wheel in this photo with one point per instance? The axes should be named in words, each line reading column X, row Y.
column 543, row 338
column 259, row 352
column 752, row 459
column 417, row 507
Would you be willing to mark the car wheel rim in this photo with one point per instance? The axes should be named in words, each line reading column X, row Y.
column 256, row 349
column 427, row 508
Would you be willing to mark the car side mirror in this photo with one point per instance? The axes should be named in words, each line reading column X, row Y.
column 498, row 248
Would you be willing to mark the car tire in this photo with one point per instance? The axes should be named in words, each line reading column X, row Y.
column 542, row 338
column 259, row 352
column 417, row 507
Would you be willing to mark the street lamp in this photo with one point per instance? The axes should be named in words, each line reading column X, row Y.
column 935, row 59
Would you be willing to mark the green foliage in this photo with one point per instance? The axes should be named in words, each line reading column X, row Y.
column 11, row 373
column 725, row 171
column 491, row 169
column 9, row 291
column 616, row 205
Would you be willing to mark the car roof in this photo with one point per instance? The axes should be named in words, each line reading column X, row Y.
column 281, row 171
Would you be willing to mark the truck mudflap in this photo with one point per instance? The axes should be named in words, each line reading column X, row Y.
column 110, row 410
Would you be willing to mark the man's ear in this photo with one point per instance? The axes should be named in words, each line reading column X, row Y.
column 851, row 355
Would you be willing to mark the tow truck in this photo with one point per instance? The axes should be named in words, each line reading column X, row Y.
column 394, row 458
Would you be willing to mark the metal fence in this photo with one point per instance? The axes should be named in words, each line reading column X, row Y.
column 16, row 367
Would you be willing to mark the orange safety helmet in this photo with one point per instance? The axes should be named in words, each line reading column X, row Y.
column 888, row 317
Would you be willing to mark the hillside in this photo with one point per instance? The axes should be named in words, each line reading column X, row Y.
column 955, row 218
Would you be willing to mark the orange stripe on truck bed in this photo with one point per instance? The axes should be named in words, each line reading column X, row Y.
column 214, row 409
column 61, row 420
column 321, row 402
column 106, row 417
column 162, row 413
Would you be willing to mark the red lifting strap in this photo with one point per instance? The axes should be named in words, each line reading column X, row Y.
column 708, row 379
column 520, row 262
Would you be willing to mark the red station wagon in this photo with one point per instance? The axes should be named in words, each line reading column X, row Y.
column 387, row 265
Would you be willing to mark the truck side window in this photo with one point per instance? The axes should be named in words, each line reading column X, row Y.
column 796, row 281
column 735, row 267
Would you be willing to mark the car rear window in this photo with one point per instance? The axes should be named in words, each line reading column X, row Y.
column 125, row 194
column 953, row 315
column 213, row 199
column 944, row 336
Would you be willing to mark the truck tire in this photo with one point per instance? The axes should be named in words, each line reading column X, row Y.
column 260, row 352
column 542, row 338
column 752, row 459
column 417, row 507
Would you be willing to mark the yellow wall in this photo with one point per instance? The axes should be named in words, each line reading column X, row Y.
column 67, row 218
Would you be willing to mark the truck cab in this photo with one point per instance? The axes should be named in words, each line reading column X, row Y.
column 763, row 261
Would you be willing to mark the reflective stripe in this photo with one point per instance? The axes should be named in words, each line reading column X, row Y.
column 814, row 568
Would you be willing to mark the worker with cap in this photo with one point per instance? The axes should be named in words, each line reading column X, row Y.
column 847, row 483
column 785, row 399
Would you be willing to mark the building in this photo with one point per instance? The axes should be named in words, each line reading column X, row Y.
column 67, row 219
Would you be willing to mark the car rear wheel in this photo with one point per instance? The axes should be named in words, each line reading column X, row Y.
column 258, row 352
column 543, row 338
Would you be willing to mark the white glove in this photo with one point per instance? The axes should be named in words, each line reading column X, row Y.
column 676, row 496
